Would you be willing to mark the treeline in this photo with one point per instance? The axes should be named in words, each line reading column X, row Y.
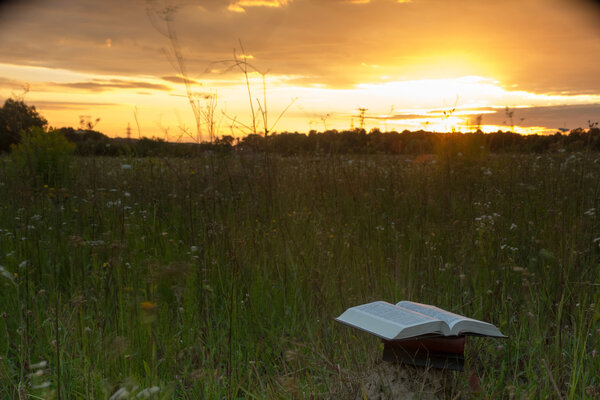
column 419, row 142
column 89, row 142
column 17, row 118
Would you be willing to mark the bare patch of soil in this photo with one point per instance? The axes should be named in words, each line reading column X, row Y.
column 393, row 381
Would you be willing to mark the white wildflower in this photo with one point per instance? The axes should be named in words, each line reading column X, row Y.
column 6, row 274
column 41, row 364
column 119, row 394
column 42, row 385
column 35, row 374
column 125, row 166
column 144, row 394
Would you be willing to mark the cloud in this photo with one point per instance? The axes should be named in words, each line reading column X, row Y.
column 12, row 84
column 553, row 117
column 67, row 105
column 240, row 5
column 178, row 79
column 324, row 39
column 100, row 85
column 559, row 116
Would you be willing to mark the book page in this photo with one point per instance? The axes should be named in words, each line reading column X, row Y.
column 395, row 314
column 389, row 321
column 458, row 324
column 433, row 312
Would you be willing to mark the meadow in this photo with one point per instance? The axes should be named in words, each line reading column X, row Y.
column 219, row 276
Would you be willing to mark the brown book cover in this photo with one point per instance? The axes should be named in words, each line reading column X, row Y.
column 443, row 352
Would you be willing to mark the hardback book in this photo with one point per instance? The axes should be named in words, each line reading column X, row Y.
column 440, row 352
column 408, row 319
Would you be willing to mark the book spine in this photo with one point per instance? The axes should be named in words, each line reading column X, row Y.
column 441, row 344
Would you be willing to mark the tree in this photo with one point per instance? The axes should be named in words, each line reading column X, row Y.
column 15, row 118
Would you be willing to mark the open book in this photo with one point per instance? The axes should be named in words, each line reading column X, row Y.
column 407, row 319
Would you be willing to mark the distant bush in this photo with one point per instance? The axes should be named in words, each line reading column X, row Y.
column 42, row 157
column 16, row 117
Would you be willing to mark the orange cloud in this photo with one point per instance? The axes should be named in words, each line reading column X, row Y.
column 238, row 6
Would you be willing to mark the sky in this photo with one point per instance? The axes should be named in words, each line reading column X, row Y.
column 441, row 65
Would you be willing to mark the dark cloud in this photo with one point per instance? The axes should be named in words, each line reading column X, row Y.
column 560, row 116
column 97, row 85
column 66, row 105
column 552, row 117
column 547, row 46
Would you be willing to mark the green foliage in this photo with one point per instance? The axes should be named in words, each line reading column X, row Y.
column 42, row 157
column 16, row 117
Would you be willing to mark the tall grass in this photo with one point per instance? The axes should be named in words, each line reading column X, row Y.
column 219, row 276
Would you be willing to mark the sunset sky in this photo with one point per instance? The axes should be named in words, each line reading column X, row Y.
column 404, row 61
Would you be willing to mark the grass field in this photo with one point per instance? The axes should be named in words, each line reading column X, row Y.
column 220, row 276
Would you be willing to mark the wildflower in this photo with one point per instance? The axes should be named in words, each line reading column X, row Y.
column 42, row 385
column 125, row 166
column 147, row 305
column 6, row 274
column 145, row 393
column 35, row 374
column 119, row 394
column 41, row 364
